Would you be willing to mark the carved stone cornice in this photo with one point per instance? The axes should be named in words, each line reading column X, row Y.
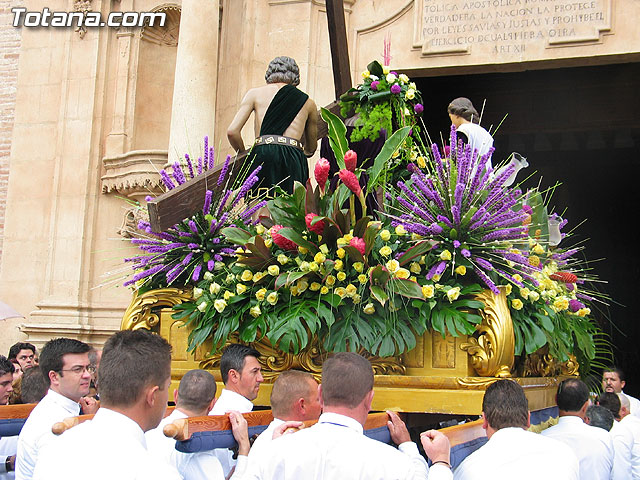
column 134, row 172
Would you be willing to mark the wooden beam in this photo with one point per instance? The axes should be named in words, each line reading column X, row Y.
column 339, row 46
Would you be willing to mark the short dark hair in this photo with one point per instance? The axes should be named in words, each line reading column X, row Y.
column 617, row 370
column 346, row 379
column 505, row 405
column 6, row 366
column 33, row 386
column 462, row 107
column 53, row 351
column 610, row 401
column 131, row 361
column 196, row 390
column 600, row 416
column 16, row 347
column 572, row 395
column 233, row 358
column 288, row 387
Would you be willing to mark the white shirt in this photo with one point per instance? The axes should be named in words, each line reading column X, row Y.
column 479, row 139
column 623, row 445
column 111, row 446
column 264, row 439
column 592, row 445
column 633, row 425
column 336, row 448
column 634, row 405
column 514, row 453
column 36, row 432
column 191, row 466
column 227, row 401
column 8, row 448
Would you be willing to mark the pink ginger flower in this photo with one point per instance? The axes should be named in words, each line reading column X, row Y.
column 317, row 227
column 321, row 172
column 350, row 180
column 351, row 160
column 279, row 240
column 358, row 243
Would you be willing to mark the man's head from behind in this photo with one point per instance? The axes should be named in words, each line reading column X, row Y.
column 610, row 401
column 613, row 380
column 504, row 405
column 347, row 381
column 33, row 386
column 6, row 379
column 134, row 373
column 599, row 416
column 283, row 70
column 64, row 363
column 572, row 397
column 295, row 397
column 241, row 371
column 196, row 394
column 24, row 353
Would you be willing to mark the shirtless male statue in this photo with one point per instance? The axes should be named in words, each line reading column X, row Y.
column 288, row 124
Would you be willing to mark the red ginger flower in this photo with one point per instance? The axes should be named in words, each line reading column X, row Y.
column 358, row 243
column 351, row 160
column 321, row 172
column 279, row 240
column 317, row 227
column 565, row 277
column 350, row 180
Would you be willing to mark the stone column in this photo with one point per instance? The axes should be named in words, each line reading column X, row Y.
column 194, row 91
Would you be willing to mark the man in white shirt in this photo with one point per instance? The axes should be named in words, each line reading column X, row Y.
column 593, row 446
column 242, row 375
column 195, row 397
column 598, row 416
column 336, row 448
column 64, row 363
column 8, row 445
column 134, row 373
column 512, row 451
column 613, row 380
column 294, row 397
column 633, row 425
column 622, row 437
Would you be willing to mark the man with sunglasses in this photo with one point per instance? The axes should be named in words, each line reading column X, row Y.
column 65, row 365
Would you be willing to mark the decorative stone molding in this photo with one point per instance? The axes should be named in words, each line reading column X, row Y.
column 82, row 6
column 168, row 33
column 134, row 173
column 40, row 333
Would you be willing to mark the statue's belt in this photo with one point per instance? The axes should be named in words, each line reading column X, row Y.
column 278, row 140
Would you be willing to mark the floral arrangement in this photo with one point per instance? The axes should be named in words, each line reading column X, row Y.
column 193, row 249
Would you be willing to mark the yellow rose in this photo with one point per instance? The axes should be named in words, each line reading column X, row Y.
column 258, row 276
column 534, row 260
column 508, row 288
column 313, row 267
column 453, row 293
column 386, row 69
column 362, row 278
column 272, row 298
column 385, row 235
column 403, row 78
column 517, row 277
column 385, row 251
column 324, row 290
column 341, row 242
column 428, row 291
column 208, row 276
column 538, row 249
column 461, row 270
column 241, row 288
column 315, row 286
column 268, row 242
column 561, row 304
column 366, row 74
column 534, row 296
column 303, row 250
column 330, row 280
column 203, row 306
column 294, row 290
column 351, row 290
column 415, row 267
column 324, row 249
column 283, row 259
column 227, row 294
column 410, row 95
column 219, row 305
column 524, row 292
column 341, row 253
column 302, row 285
column 347, row 237
column 393, row 266
column 255, row 311
column 422, row 162
column 435, row 278
column 341, row 276
column 260, row 294
column 516, row 304
column 369, row 309
column 260, row 229
column 402, row 273
column 338, row 265
column 356, row 298
column 583, row 312
column 246, row 276
column 400, row 230
column 341, row 292
column 319, row 257
column 358, row 267
column 273, row 270
column 230, row 278
column 445, row 255
column 197, row 293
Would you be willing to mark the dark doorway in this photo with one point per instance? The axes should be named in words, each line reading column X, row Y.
column 581, row 127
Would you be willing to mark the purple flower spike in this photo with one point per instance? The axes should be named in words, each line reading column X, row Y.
column 196, row 273
column 178, row 174
column 189, row 165
column 206, row 208
column 167, row 180
column 223, row 172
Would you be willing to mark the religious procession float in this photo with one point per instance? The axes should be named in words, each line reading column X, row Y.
column 457, row 278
